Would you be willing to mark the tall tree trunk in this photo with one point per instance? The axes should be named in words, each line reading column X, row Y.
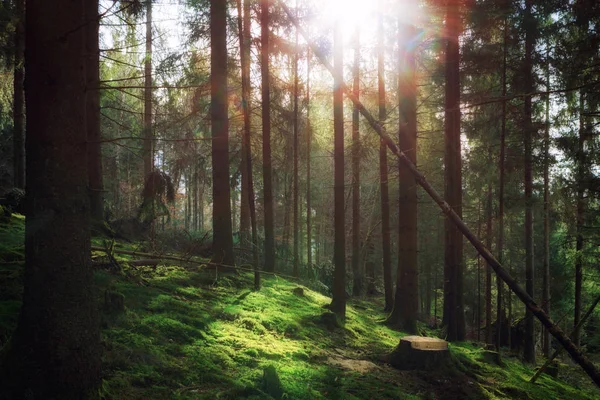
column 18, row 101
column 96, row 185
column 148, row 133
column 222, row 228
column 478, row 319
column 357, row 274
column 488, row 271
column 580, row 213
column 546, row 261
column 529, row 350
column 308, row 150
column 388, row 285
column 406, row 302
column 383, row 176
column 266, row 145
column 453, row 248
column 55, row 350
column 500, row 243
column 338, row 303
column 295, row 145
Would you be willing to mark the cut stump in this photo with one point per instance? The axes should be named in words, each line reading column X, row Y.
column 418, row 352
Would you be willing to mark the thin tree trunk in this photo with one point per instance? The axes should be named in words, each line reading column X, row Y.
column 580, row 213
column 357, row 274
column 295, row 145
column 546, row 262
column 383, row 179
column 55, row 351
column 148, row 134
column 222, row 227
column 479, row 274
column 309, row 260
column 338, row 303
column 453, row 268
column 529, row 350
column 18, row 100
column 488, row 271
column 96, row 185
column 266, row 145
column 406, row 301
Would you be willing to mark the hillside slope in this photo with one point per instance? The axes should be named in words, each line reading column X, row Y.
column 191, row 333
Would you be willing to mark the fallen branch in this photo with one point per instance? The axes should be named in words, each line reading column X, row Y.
column 149, row 255
column 540, row 314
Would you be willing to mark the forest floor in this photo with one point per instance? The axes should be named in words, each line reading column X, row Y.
column 188, row 333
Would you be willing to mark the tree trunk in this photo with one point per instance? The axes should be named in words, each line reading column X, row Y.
column 338, row 301
column 406, row 302
column 580, row 212
column 55, row 350
column 148, row 134
column 296, row 134
column 18, row 101
column 383, row 176
column 222, row 228
column 357, row 274
column 546, row 261
column 488, row 271
column 309, row 260
column 266, row 145
column 529, row 351
column 453, row 253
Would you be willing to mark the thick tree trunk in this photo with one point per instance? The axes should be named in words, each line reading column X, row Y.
column 406, row 302
column 55, row 350
column 148, row 133
column 222, row 228
column 580, row 213
column 357, row 273
column 453, row 253
column 18, row 100
column 338, row 302
column 388, row 285
column 266, row 145
column 529, row 350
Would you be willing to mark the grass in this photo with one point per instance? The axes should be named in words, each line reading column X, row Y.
column 186, row 335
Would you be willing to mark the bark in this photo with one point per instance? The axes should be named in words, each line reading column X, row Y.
column 580, row 213
column 222, row 228
column 449, row 212
column 308, row 150
column 488, row 271
column 406, row 302
column 383, row 177
column 338, row 301
column 357, row 274
column 529, row 350
column 295, row 145
column 266, row 145
column 18, row 98
column 453, row 244
column 148, row 133
column 55, row 351
column 546, row 261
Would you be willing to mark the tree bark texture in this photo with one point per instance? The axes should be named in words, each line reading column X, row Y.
column 357, row 274
column 148, row 133
column 18, row 98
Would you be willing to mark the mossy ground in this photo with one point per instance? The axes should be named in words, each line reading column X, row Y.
column 189, row 333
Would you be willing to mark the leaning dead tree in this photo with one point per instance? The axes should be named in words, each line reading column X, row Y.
column 492, row 262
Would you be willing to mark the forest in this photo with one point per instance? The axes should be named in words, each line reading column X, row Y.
column 277, row 199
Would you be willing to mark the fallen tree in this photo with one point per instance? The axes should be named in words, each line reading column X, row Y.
column 539, row 313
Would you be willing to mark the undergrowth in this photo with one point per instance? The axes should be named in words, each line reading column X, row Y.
column 192, row 333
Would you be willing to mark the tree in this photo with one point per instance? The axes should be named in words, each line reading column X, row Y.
column 266, row 145
column 18, row 101
column 295, row 145
column 338, row 301
column 92, row 66
column 357, row 275
column 222, row 229
column 148, row 133
column 530, row 27
column 406, row 302
column 453, row 243
column 55, row 350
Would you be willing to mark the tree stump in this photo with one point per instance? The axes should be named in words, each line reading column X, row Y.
column 418, row 352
